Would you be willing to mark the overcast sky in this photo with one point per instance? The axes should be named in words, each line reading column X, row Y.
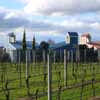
column 50, row 19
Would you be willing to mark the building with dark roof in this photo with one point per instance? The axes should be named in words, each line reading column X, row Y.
column 70, row 44
column 71, row 40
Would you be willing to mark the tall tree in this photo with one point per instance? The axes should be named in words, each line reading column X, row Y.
column 33, row 43
column 24, row 41
column 44, row 46
column 33, row 49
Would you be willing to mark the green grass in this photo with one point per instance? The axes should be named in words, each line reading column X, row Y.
column 10, row 71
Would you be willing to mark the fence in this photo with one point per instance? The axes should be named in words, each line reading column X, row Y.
column 64, row 80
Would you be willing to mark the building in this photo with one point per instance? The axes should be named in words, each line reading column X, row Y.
column 96, row 46
column 70, row 43
column 86, row 39
column 12, row 46
column 71, row 38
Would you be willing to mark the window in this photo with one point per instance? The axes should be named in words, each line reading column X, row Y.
column 68, row 39
column 12, row 39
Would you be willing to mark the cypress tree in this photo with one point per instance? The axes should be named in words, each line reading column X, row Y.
column 24, row 41
column 33, row 43
column 33, row 49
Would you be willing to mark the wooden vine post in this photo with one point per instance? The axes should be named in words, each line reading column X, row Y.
column 93, row 81
column 83, row 80
column 54, row 57
column 49, row 78
column 19, row 60
column 65, row 67
column 27, row 73
column 59, row 86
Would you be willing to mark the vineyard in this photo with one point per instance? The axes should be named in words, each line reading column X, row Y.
column 67, row 80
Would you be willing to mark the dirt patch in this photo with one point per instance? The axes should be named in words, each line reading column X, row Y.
column 28, row 98
column 95, row 98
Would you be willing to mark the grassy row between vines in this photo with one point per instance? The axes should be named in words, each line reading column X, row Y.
column 36, row 80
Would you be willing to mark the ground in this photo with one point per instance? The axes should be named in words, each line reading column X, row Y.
column 38, row 81
column 28, row 98
column 95, row 98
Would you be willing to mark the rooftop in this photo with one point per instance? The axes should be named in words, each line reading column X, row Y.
column 61, row 45
column 73, row 33
column 18, row 44
column 86, row 35
column 11, row 34
column 95, row 43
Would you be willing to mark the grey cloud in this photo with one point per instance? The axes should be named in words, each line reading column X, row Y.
column 63, row 6
column 43, row 26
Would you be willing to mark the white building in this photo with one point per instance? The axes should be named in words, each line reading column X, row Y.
column 13, row 46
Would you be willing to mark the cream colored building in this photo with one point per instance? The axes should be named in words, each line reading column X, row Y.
column 85, row 38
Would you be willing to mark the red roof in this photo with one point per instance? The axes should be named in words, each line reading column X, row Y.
column 95, row 44
column 86, row 35
column 98, row 47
